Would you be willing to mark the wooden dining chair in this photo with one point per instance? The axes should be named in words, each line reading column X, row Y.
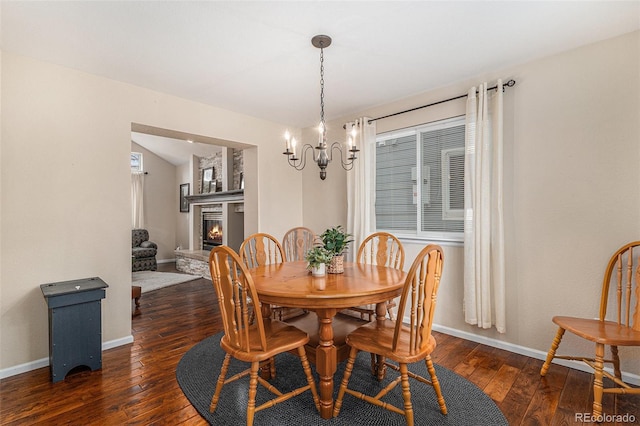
column 380, row 248
column 296, row 242
column 256, row 342
column 399, row 342
column 620, row 328
column 261, row 249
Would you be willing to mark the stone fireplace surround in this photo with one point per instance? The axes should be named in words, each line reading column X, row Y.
column 231, row 205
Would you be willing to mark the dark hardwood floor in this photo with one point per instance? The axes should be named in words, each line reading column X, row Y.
column 137, row 384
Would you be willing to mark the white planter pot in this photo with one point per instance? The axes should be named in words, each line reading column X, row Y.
column 319, row 271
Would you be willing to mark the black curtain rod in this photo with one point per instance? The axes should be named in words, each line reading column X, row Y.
column 509, row 83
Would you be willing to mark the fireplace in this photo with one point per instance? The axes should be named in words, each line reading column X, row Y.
column 211, row 230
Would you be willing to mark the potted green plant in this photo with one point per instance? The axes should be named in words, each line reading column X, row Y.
column 317, row 257
column 335, row 241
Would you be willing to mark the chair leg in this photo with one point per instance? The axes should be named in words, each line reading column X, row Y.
column 552, row 351
column 406, row 394
column 307, row 371
column 374, row 365
column 390, row 310
column 272, row 367
column 436, row 384
column 221, row 377
column 253, row 389
column 378, row 366
column 616, row 362
column 382, row 367
column 597, row 380
column 345, row 380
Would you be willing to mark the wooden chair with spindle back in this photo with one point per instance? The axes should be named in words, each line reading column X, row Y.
column 384, row 249
column 262, row 249
column 255, row 342
column 621, row 329
column 296, row 242
column 403, row 343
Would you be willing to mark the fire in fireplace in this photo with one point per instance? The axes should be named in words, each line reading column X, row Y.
column 211, row 230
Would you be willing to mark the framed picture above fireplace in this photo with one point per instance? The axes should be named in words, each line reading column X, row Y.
column 184, row 203
column 208, row 177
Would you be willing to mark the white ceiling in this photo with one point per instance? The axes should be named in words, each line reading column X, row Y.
column 256, row 57
column 175, row 151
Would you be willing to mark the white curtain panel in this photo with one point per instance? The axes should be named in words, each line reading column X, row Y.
column 484, row 282
column 361, row 184
column 137, row 200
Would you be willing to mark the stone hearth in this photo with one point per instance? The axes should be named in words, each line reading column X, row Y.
column 194, row 262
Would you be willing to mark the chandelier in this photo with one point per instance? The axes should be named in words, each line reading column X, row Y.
column 322, row 153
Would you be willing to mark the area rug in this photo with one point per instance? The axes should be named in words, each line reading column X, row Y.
column 198, row 371
column 152, row 280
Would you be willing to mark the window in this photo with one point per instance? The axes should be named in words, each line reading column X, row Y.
column 136, row 162
column 452, row 184
column 420, row 181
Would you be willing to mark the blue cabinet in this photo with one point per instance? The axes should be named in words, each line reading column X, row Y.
column 75, row 325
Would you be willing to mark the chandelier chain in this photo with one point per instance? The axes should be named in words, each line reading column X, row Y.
column 323, row 129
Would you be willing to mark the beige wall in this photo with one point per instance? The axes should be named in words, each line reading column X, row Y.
column 160, row 202
column 66, row 138
column 324, row 201
column 571, row 188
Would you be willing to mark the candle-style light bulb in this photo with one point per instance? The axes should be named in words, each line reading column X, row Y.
column 320, row 133
column 293, row 146
column 352, row 143
column 287, row 138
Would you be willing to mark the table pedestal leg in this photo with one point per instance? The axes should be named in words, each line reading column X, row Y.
column 326, row 361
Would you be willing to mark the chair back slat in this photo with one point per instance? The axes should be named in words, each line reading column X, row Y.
column 296, row 242
column 619, row 285
column 627, row 291
column 261, row 249
column 419, row 295
column 236, row 296
column 381, row 248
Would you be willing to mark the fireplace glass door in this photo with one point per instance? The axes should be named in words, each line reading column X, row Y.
column 211, row 230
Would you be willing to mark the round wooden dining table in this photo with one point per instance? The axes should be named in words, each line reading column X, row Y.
column 290, row 284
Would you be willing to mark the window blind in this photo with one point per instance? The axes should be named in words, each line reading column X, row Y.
column 395, row 206
column 436, row 215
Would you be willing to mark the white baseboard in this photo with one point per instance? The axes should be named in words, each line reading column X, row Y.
column 44, row 362
column 630, row 378
column 118, row 342
column 23, row 368
column 166, row 261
